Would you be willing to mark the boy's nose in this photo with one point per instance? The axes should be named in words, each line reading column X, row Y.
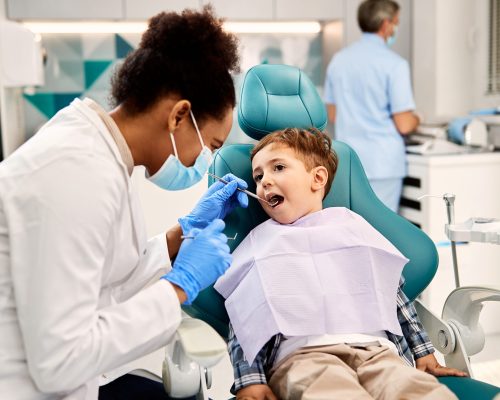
column 265, row 181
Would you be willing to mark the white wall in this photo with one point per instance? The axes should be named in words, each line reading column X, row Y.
column 454, row 56
column 442, row 57
column 479, row 38
column 2, row 17
column 162, row 208
column 424, row 56
column 450, row 55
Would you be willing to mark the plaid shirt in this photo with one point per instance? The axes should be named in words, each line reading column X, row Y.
column 412, row 345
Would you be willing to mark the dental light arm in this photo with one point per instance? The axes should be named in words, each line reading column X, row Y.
column 458, row 334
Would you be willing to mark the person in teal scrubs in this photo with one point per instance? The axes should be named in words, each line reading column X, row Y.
column 369, row 99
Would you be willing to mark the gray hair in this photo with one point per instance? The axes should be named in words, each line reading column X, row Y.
column 372, row 13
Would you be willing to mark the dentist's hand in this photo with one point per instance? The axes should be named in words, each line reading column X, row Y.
column 200, row 260
column 218, row 201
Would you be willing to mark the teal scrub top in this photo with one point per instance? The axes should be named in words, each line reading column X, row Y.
column 368, row 82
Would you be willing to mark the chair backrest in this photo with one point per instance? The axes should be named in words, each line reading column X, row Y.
column 278, row 96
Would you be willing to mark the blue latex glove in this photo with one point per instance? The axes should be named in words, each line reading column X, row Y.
column 217, row 202
column 201, row 260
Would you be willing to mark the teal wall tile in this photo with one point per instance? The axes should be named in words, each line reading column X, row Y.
column 93, row 70
column 99, row 46
column 80, row 65
column 62, row 100
column 122, row 47
column 44, row 102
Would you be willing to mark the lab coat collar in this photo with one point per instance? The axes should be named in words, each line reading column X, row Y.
column 115, row 132
column 94, row 119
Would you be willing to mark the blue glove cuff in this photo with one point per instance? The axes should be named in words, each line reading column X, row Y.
column 185, row 282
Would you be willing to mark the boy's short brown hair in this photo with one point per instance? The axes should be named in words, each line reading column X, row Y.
column 312, row 146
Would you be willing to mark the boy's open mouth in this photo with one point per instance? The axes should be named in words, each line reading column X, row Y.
column 275, row 200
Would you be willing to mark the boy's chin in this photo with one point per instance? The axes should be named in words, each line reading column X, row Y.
column 284, row 219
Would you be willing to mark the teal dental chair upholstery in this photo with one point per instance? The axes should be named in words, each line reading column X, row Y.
column 279, row 96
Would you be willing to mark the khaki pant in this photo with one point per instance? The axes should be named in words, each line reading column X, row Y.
column 352, row 372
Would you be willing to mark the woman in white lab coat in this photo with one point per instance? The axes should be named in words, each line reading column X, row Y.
column 76, row 298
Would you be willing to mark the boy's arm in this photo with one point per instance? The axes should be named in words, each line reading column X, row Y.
column 413, row 330
column 418, row 340
column 244, row 373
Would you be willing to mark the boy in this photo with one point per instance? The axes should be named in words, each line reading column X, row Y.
column 315, row 297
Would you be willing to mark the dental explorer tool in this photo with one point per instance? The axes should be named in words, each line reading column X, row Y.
column 244, row 191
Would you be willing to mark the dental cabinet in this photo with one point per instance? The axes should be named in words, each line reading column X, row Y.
column 475, row 180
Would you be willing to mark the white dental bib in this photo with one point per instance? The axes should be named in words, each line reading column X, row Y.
column 329, row 272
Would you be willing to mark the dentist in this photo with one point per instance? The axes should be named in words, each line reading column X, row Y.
column 82, row 291
column 369, row 98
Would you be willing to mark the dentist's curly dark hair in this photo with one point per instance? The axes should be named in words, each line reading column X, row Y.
column 187, row 54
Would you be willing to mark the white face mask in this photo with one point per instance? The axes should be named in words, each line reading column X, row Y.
column 173, row 175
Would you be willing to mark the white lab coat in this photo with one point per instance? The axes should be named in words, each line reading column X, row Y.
column 73, row 260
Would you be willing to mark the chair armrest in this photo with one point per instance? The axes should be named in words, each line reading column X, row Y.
column 458, row 334
column 462, row 309
column 445, row 338
column 200, row 342
column 440, row 333
column 196, row 347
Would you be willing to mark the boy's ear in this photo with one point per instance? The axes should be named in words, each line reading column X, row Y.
column 320, row 178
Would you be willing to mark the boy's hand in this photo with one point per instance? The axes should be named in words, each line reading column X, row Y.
column 256, row 392
column 429, row 364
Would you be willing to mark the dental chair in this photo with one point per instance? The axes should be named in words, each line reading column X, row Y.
column 275, row 97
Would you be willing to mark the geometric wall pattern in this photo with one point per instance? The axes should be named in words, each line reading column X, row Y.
column 77, row 65
column 81, row 65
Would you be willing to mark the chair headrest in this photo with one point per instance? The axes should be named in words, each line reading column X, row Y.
column 275, row 97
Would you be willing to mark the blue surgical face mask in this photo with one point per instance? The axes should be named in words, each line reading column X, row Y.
column 392, row 39
column 173, row 175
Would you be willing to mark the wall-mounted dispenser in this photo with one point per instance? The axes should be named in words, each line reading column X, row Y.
column 21, row 60
column 21, row 65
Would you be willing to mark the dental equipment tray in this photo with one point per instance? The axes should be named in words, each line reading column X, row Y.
column 485, row 230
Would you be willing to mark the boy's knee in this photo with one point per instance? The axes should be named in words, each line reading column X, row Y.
column 416, row 384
